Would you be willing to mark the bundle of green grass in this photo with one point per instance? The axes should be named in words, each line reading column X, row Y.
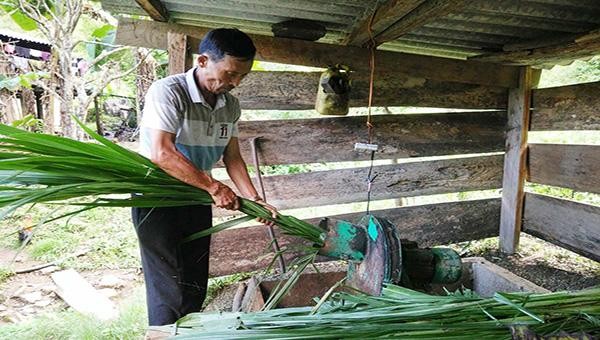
column 41, row 168
column 401, row 313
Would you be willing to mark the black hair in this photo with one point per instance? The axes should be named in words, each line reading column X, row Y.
column 227, row 41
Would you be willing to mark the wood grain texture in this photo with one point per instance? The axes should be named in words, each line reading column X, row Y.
column 297, row 90
column 393, row 181
column 570, row 166
column 398, row 136
column 515, row 163
column 427, row 12
column 582, row 46
column 246, row 249
column 179, row 58
column 385, row 15
column 569, row 224
column 574, row 107
column 297, row 52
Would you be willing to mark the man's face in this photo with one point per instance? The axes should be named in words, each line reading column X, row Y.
column 221, row 76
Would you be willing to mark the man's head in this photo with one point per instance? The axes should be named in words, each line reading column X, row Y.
column 225, row 58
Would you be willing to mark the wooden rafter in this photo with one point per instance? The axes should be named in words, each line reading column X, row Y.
column 153, row 34
column 385, row 15
column 547, row 51
column 155, row 9
column 424, row 13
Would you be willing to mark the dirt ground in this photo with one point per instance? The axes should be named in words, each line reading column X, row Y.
column 24, row 296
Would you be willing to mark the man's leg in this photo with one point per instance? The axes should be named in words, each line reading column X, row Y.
column 194, row 257
column 175, row 274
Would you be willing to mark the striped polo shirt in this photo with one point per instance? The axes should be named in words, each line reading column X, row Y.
column 174, row 104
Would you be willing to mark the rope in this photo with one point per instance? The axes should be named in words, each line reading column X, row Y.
column 370, row 125
column 371, row 76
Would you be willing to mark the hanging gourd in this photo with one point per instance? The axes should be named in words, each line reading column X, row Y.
column 333, row 91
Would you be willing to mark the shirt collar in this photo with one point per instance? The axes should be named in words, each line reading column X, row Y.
column 195, row 93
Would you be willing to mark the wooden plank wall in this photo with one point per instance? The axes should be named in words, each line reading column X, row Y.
column 298, row 90
column 247, row 249
column 569, row 224
column 400, row 136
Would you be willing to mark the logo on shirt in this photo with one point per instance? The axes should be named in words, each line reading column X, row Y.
column 224, row 131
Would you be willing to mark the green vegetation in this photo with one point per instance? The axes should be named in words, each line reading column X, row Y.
column 403, row 313
column 72, row 325
column 580, row 71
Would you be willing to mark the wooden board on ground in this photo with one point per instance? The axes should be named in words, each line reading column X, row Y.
column 393, row 181
column 574, row 107
column 398, row 136
column 247, row 249
column 569, row 224
column 81, row 296
column 570, row 166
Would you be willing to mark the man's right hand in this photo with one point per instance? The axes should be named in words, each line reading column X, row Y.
column 224, row 197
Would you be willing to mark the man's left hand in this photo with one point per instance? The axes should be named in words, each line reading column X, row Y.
column 271, row 209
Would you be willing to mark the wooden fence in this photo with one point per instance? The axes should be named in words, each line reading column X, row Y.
column 572, row 225
column 575, row 226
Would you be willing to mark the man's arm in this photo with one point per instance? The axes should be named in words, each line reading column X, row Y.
column 236, row 168
column 167, row 157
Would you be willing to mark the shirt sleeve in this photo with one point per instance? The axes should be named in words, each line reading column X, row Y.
column 161, row 109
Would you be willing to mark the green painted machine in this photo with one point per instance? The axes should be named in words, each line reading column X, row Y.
column 376, row 255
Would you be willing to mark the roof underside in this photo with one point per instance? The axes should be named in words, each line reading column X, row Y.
column 532, row 32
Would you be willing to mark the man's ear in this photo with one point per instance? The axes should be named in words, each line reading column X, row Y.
column 202, row 60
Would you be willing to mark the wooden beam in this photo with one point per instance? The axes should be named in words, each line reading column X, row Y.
column 426, row 12
column 530, row 44
column 298, row 90
column 247, row 249
column 385, row 16
column 300, row 141
column 297, row 52
column 396, row 180
column 570, row 166
column 180, row 60
column 573, row 107
column 515, row 166
column 586, row 45
column 566, row 223
column 155, row 9
column 534, row 10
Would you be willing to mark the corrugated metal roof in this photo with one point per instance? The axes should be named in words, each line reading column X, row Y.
column 472, row 28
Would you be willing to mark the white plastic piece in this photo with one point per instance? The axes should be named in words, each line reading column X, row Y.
column 365, row 147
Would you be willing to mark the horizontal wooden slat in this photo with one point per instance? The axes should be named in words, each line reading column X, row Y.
column 246, row 249
column 297, row 90
column 395, row 180
column 398, row 136
column 571, row 225
column 575, row 107
column 571, row 166
column 150, row 34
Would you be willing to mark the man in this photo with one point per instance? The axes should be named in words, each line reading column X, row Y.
column 189, row 122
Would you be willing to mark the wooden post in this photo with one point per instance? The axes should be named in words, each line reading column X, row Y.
column 179, row 58
column 515, row 162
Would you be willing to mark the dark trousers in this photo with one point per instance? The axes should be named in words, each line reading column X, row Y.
column 176, row 274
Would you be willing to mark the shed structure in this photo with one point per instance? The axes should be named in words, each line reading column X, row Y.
column 482, row 55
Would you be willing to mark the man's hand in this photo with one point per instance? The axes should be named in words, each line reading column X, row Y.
column 224, row 197
column 271, row 209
